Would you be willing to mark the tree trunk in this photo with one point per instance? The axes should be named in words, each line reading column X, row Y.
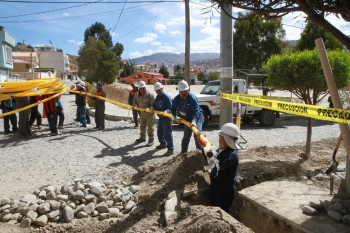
column 308, row 138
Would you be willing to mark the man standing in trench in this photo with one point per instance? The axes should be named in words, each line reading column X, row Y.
column 144, row 99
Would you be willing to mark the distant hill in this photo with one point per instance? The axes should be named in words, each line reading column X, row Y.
column 171, row 59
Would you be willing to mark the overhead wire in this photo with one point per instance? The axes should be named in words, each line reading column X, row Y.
column 150, row 37
column 142, row 1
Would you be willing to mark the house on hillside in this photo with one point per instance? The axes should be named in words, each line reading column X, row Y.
column 147, row 77
column 7, row 42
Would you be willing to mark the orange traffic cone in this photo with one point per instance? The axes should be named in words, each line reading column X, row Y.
column 44, row 113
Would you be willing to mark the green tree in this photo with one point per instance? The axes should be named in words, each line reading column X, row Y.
column 96, row 62
column 177, row 68
column 99, row 31
column 311, row 33
column 118, row 49
column 163, row 70
column 1, row 28
column 59, row 50
column 301, row 73
column 255, row 40
column 200, row 76
column 213, row 76
column 128, row 69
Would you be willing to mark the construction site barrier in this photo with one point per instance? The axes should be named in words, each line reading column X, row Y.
column 306, row 110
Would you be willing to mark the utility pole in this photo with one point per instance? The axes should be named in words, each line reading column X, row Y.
column 187, row 42
column 39, row 65
column 31, row 65
column 226, row 65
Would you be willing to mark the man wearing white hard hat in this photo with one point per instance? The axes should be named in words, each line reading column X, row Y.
column 185, row 105
column 164, row 132
column 224, row 167
column 144, row 99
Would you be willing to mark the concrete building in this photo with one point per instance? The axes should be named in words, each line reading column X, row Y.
column 7, row 42
column 55, row 60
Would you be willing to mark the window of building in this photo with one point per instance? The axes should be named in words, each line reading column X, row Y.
column 27, row 66
column 8, row 54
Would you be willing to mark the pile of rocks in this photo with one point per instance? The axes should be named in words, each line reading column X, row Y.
column 335, row 211
column 78, row 199
column 320, row 174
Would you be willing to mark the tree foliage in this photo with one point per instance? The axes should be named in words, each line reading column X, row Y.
column 200, row 76
column 301, row 73
column 59, row 50
column 316, row 10
column 311, row 33
column 118, row 49
column 99, row 31
column 255, row 40
column 213, row 76
column 163, row 70
column 96, row 62
column 129, row 69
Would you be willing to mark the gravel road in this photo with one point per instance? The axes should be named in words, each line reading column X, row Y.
column 28, row 164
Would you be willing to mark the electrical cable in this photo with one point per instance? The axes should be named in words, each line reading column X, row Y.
column 142, row 1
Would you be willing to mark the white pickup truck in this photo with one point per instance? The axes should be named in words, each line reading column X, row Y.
column 209, row 101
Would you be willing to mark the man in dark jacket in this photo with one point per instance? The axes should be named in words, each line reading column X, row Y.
column 80, row 100
column 23, row 122
column 132, row 94
column 34, row 113
column 8, row 106
column 99, row 108
column 224, row 166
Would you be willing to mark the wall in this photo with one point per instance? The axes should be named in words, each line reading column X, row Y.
column 3, row 74
column 6, row 39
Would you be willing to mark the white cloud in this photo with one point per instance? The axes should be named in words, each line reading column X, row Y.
column 71, row 41
column 149, row 37
column 165, row 49
column 160, row 27
column 156, row 43
column 66, row 14
column 135, row 54
column 161, row 49
column 176, row 21
column 114, row 34
column 172, row 33
column 75, row 42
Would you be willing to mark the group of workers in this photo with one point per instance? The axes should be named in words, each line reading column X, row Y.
column 185, row 105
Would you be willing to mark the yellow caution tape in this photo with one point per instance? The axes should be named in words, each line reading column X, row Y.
column 205, row 142
column 267, row 97
column 306, row 110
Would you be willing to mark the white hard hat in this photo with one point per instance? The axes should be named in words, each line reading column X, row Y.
column 81, row 83
column 230, row 132
column 183, row 85
column 158, row 86
column 142, row 84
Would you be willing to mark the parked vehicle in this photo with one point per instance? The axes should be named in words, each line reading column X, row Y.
column 209, row 101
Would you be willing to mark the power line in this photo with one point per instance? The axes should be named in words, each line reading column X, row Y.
column 14, row 1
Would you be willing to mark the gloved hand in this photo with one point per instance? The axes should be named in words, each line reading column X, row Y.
column 167, row 111
column 193, row 123
column 133, row 107
column 151, row 110
column 177, row 120
column 201, row 143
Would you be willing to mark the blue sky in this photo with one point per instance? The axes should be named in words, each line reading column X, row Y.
column 143, row 28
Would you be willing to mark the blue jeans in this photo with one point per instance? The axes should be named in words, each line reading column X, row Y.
column 82, row 114
column 7, row 119
column 165, row 132
column 187, row 135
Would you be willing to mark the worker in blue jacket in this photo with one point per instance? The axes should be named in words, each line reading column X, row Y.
column 165, row 133
column 185, row 105
column 224, row 167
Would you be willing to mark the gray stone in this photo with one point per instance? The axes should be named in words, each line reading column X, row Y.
column 79, row 208
column 309, row 210
column 104, row 216
column 32, row 215
column 62, row 197
column 89, row 208
column 335, row 215
column 26, row 223
column 50, row 189
column 24, row 211
column 13, row 209
column 346, row 219
column 340, row 168
column 15, row 216
column 55, row 219
column 129, row 206
column 340, row 209
column 137, row 209
column 5, row 207
column 95, row 213
column 125, row 191
column 134, row 188
column 21, row 206
column 120, row 207
column 5, row 212
column 53, row 214
column 78, row 195
column 90, row 197
column 64, row 188
column 36, row 192
column 331, row 207
column 33, row 207
column 44, row 208
column 102, row 198
column 51, row 196
column 42, row 194
column 316, row 204
column 41, row 220
column 117, row 197
column 95, row 190
column 82, row 214
column 68, row 214
column 72, row 204
column 5, row 201
column 126, row 198
column 109, row 203
column 102, row 207
column 145, row 199
column 54, row 205
column 7, row 217
column 29, row 198
column 114, row 212
column 63, row 204
column 78, row 186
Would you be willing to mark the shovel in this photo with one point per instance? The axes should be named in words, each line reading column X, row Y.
column 335, row 164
